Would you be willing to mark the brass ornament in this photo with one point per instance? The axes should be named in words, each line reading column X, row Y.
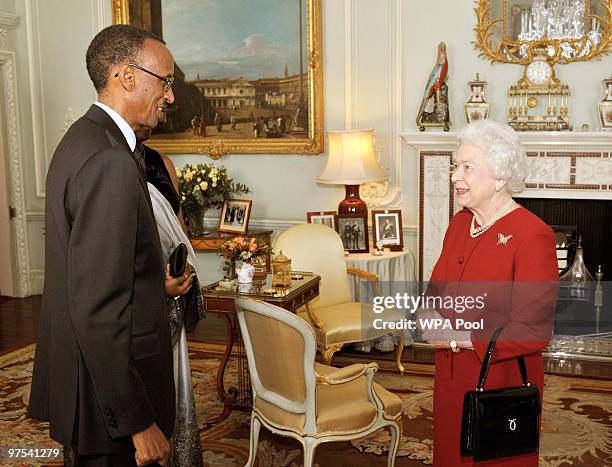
column 539, row 101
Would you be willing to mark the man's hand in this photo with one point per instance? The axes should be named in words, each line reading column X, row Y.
column 176, row 286
column 151, row 446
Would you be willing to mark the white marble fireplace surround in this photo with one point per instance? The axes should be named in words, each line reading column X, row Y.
column 562, row 165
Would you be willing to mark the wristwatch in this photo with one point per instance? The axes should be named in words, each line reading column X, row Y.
column 454, row 346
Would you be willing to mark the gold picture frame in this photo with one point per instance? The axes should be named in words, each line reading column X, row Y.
column 268, row 120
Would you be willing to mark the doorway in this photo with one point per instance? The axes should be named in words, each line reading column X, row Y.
column 7, row 252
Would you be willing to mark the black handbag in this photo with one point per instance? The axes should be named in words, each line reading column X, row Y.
column 500, row 422
column 178, row 260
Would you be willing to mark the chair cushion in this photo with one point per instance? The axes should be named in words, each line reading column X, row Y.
column 340, row 408
column 346, row 407
column 349, row 322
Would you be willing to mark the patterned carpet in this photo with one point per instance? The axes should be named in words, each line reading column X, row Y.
column 577, row 421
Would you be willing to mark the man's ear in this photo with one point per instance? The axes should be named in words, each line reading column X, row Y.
column 126, row 77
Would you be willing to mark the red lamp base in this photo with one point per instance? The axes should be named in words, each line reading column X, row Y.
column 352, row 203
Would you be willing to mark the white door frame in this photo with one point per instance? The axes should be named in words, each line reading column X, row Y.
column 14, row 176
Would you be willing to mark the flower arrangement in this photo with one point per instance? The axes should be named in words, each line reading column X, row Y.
column 205, row 186
column 241, row 249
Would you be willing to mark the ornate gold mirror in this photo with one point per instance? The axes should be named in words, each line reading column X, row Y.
column 515, row 31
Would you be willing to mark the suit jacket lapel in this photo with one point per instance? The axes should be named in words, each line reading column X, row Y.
column 99, row 116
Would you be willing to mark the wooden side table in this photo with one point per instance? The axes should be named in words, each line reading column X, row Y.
column 213, row 241
column 221, row 302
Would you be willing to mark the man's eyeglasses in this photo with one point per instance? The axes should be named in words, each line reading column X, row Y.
column 167, row 81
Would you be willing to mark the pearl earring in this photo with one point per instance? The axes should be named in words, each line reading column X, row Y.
column 497, row 187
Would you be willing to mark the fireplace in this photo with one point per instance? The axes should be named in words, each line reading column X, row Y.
column 592, row 221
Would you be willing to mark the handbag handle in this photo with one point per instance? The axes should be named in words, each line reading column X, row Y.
column 484, row 369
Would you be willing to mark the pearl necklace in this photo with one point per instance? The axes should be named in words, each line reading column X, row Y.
column 477, row 231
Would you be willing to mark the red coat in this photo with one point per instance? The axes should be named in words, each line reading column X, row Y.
column 521, row 296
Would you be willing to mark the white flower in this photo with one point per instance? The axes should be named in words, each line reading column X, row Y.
column 183, row 198
column 179, row 174
column 199, row 179
column 214, row 184
column 214, row 179
column 204, row 186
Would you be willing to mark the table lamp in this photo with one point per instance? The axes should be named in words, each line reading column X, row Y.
column 351, row 162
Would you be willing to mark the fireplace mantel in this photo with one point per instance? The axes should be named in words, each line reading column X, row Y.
column 533, row 140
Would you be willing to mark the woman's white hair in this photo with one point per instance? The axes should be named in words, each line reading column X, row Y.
column 503, row 148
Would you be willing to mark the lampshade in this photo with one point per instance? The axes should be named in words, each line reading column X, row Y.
column 351, row 159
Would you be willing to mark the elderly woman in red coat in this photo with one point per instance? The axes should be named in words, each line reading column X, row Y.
column 503, row 256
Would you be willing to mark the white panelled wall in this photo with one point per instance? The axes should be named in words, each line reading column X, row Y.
column 377, row 57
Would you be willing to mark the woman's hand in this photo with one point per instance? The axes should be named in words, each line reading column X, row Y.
column 176, row 286
column 439, row 337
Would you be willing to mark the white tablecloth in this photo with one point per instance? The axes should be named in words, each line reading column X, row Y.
column 392, row 268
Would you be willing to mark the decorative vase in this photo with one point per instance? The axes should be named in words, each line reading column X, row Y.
column 605, row 106
column 477, row 108
column 245, row 273
column 195, row 218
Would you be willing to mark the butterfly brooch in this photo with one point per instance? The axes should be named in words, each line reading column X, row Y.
column 503, row 239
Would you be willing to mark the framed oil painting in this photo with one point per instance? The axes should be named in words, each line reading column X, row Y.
column 248, row 74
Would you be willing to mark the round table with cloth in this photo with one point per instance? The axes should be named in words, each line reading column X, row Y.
column 392, row 268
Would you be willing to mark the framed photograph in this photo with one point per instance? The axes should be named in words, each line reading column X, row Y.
column 248, row 74
column 387, row 229
column 327, row 218
column 235, row 216
column 353, row 229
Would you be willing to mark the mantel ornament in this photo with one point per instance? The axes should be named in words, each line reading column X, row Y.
column 477, row 108
column 434, row 105
column 605, row 106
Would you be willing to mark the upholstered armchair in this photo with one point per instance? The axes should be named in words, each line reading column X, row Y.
column 311, row 402
column 336, row 319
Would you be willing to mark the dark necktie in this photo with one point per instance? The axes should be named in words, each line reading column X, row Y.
column 140, row 161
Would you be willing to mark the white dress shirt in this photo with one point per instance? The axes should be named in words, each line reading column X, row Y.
column 126, row 129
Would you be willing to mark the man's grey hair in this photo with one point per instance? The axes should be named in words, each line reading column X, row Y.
column 503, row 148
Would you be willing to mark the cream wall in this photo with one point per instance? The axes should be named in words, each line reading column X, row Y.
column 377, row 56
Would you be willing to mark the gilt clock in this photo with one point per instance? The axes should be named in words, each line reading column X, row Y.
column 539, row 101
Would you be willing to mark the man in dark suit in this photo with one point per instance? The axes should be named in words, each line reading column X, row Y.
column 103, row 373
